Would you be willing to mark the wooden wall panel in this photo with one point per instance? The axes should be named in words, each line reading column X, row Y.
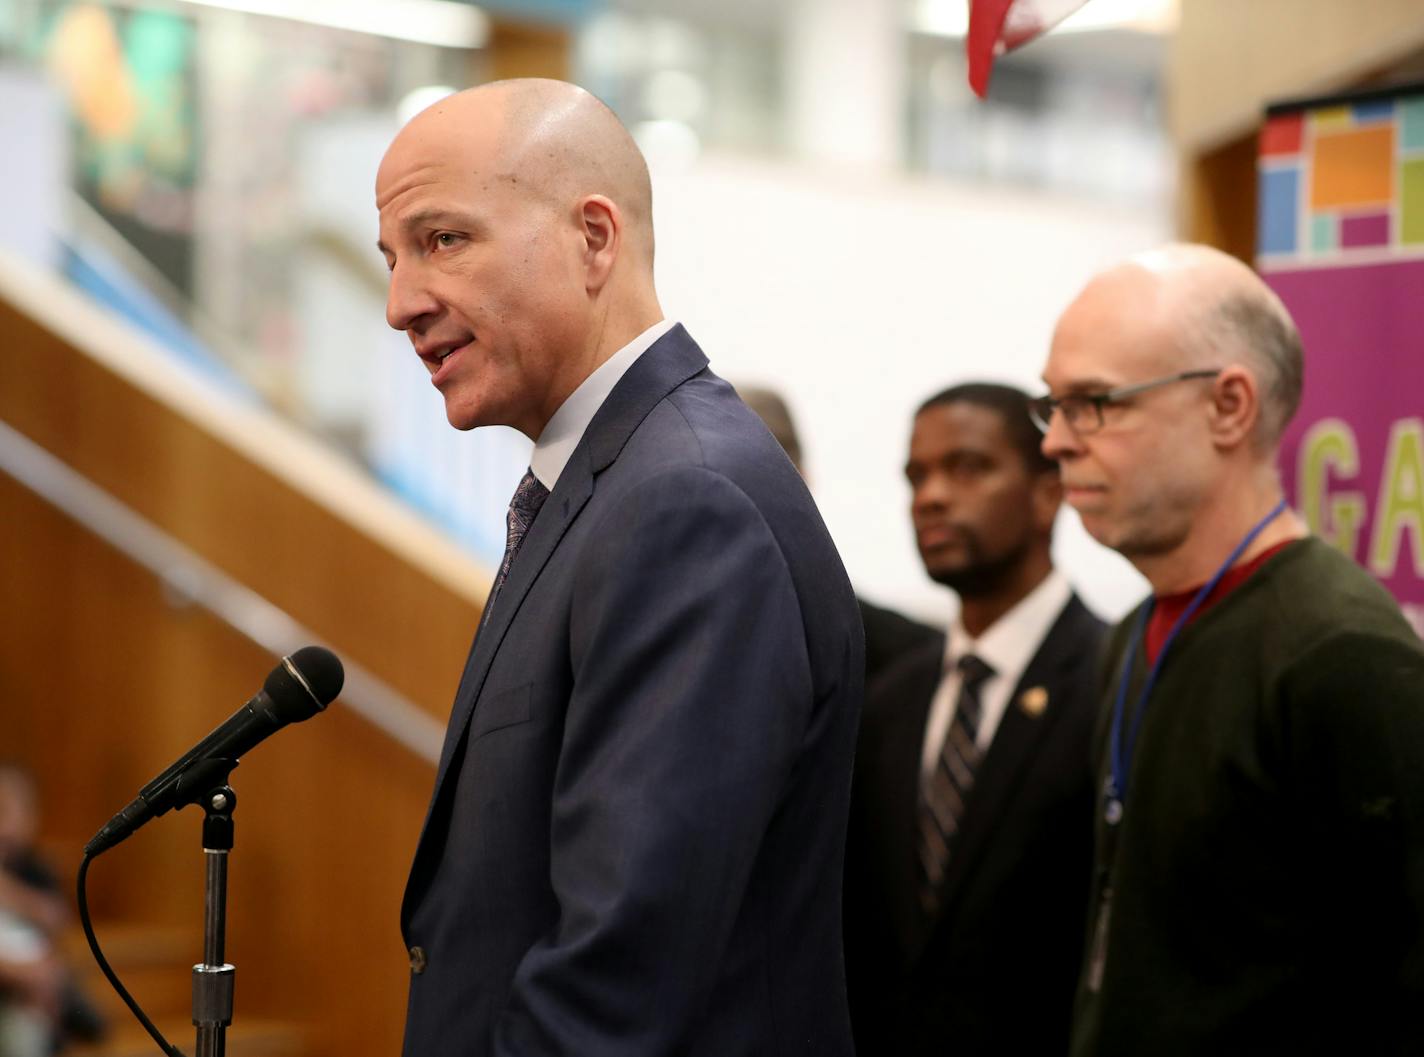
column 1218, row 198
column 105, row 679
column 103, row 682
column 528, row 49
column 408, row 619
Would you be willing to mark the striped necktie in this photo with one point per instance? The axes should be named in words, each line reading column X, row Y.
column 523, row 508
column 946, row 794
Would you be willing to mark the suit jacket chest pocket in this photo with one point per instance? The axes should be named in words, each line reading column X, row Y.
column 505, row 708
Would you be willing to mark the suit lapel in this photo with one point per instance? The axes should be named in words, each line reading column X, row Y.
column 558, row 513
column 1022, row 731
column 670, row 361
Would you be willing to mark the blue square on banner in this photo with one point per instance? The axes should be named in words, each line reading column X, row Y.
column 1375, row 110
column 1278, row 209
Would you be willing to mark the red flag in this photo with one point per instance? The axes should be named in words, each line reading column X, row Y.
column 1000, row 26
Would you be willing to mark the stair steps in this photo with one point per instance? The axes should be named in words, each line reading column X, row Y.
column 154, row 962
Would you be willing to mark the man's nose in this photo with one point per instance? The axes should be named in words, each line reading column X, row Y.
column 932, row 493
column 407, row 299
column 1059, row 440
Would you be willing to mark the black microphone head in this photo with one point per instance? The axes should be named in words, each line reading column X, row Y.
column 304, row 683
column 322, row 671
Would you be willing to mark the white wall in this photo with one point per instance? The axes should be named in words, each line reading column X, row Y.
column 845, row 78
column 859, row 296
column 34, row 141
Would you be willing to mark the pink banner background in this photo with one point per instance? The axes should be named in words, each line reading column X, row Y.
column 1363, row 328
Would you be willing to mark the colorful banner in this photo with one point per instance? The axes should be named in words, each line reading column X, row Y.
column 1341, row 240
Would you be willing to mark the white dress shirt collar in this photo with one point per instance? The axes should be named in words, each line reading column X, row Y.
column 564, row 431
column 1009, row 643
column 1007, row 646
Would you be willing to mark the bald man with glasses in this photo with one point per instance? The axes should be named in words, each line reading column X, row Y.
column 1259, row 869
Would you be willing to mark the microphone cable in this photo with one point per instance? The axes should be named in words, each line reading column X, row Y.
column 107, row 970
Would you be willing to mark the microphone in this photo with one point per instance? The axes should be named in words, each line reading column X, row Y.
column 297, row 689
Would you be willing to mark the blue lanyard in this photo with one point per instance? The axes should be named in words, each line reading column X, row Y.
column 1116, row 793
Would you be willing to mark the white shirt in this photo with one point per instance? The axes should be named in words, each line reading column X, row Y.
column 564, row 431
column 1006, row 646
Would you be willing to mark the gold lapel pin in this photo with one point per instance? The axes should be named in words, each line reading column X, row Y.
column 1034, row 700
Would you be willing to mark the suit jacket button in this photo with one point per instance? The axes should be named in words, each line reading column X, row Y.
column 417, row 960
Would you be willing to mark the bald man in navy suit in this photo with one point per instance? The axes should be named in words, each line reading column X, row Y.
column 635, row 840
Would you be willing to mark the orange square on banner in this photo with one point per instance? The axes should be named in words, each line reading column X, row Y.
column 1353, row 168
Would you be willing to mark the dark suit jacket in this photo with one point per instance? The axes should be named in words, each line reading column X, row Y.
column 995, row 973
column 889, row 636
column 646, row 777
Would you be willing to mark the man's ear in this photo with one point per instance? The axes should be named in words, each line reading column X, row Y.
column 601, row 226
column 1235, row 407
column 1046, row 497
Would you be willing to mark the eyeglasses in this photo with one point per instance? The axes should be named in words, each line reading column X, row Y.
column 1084, row 411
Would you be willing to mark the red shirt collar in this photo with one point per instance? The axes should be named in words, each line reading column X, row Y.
column 1168, row 608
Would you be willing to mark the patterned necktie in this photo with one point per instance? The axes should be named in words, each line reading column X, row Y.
column 947, row 791
column 523, row 508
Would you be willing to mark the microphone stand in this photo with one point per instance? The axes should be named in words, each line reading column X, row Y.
column 213, row 979
column 200, row 776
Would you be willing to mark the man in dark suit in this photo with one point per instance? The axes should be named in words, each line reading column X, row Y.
column 971, row 826
column 646, row 775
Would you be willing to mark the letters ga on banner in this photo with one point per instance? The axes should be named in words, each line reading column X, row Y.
column 1341, row 240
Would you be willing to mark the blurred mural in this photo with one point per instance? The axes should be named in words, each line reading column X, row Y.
column 129, row 79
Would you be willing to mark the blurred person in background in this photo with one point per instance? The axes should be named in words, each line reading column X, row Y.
column 39, row 1004
column 634, row 842
column 1259, row 881
column 971, row 823
column 888, row 634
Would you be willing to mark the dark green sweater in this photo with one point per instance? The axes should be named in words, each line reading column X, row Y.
column 1268, row 882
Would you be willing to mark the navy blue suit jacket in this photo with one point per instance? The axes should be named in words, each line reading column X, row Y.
column 635, row 841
